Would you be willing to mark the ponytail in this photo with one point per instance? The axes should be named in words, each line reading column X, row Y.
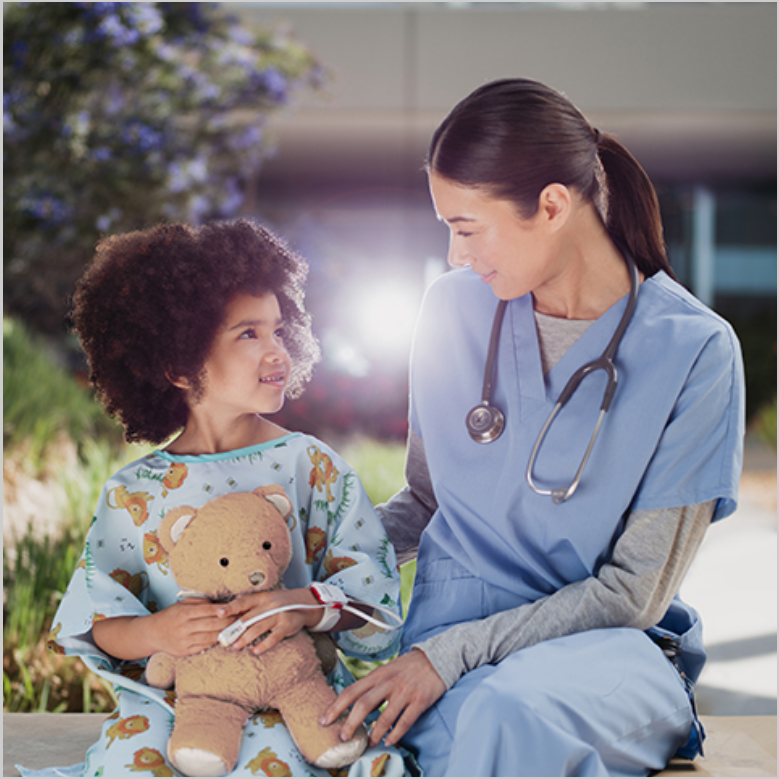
column 515, row 136
column 633, row 212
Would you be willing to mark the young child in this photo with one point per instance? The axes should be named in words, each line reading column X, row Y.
column 200, row 334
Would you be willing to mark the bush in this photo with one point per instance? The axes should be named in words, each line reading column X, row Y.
column 42, row 401
column 765, row 424
column 119, row 115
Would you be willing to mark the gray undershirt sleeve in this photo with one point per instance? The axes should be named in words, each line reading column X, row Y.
column 633, row 589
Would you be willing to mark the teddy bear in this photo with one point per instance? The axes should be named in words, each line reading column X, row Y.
column 236, row 544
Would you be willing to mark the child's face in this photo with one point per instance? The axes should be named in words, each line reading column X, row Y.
column 248, row 368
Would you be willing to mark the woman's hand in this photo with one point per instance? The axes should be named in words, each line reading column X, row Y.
column 409, row 684
column 279, row 626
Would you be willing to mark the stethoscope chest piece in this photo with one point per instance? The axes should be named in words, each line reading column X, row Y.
column 485, row 423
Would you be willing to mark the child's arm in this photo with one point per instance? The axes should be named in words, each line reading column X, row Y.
column 184, row 628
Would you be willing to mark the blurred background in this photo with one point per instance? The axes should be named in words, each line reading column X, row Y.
column 314, row 118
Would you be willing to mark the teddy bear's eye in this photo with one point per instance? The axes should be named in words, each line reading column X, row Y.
column 224, row 562
column 267, row 545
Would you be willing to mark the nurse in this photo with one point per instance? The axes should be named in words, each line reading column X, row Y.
column 546, row 638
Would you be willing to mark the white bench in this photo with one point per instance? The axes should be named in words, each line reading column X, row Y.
column 736, row 746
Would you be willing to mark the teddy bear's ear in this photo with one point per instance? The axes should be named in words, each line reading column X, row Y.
column 173, row 525
column 276, row 495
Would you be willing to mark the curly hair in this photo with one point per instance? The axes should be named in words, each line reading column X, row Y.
column 150, row 304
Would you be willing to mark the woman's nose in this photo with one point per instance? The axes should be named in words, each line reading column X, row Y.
column 457, row 258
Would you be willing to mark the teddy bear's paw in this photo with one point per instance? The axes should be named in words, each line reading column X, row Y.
column 198, row 762
column 344, row 754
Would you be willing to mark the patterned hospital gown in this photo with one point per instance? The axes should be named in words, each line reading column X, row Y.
column 336, row 537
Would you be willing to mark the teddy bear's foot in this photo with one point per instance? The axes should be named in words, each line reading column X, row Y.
column 198, row 762
column 344, row 754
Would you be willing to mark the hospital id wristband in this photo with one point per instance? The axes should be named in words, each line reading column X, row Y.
column 333, row 599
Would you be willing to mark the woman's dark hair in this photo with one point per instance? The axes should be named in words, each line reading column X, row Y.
column 151, row 302
column 514, row 137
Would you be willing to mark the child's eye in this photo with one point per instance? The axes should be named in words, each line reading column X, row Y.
column 249, row 333
column 279, row 333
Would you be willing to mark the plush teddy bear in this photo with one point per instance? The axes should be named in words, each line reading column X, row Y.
column 235, row 544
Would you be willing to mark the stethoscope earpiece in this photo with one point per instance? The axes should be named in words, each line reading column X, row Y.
column 485, row 423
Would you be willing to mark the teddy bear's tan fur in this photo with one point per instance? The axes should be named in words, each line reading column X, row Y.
column 235, row 544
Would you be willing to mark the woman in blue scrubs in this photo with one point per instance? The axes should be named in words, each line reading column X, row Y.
column 545, row 636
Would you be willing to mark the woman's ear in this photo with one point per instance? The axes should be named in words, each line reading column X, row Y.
column 554, row 204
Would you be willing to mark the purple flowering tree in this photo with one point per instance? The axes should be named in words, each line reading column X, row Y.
column 118, row 115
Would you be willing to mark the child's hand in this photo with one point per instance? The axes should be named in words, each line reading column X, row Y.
column 187, row 627
column 279, row 626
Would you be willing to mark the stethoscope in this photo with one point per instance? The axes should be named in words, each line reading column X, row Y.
column 485, row 422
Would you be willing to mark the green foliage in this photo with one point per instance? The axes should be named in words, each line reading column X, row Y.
column 379, row 465
column 765, row 423
column 119, row 115
column 36, row 572
column 42, row 401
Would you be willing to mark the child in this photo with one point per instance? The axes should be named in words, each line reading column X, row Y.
column 202, row 332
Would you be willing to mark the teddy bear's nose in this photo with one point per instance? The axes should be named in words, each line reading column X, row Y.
column 257, row 578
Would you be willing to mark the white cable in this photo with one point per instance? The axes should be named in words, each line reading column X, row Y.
column 231, row 633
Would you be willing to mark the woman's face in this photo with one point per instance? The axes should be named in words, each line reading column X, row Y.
column 510, row 253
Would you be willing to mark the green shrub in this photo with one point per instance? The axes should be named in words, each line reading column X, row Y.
column 765, row 424
column 42, row 401
column 36, row 572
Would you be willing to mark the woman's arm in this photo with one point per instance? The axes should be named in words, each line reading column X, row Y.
column 634, row 588
column 407, row 513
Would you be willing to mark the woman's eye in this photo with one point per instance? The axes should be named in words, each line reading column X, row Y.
column 463, row 235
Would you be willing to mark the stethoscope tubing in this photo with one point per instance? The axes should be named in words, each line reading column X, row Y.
column 485, row 422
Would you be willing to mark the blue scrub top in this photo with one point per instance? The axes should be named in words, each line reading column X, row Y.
column 673, row 436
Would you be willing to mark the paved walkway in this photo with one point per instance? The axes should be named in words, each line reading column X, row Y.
column 733, row 583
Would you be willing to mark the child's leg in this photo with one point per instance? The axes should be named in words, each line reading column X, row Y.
column 207, row 737
column 133, row 740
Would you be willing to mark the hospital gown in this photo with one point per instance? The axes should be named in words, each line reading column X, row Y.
column 336, row 537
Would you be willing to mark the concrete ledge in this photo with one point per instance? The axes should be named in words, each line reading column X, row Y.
column 736, row 746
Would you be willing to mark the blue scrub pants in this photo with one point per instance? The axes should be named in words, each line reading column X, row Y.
column 599, row 703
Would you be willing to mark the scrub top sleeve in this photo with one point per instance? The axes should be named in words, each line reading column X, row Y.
column 699, row 455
